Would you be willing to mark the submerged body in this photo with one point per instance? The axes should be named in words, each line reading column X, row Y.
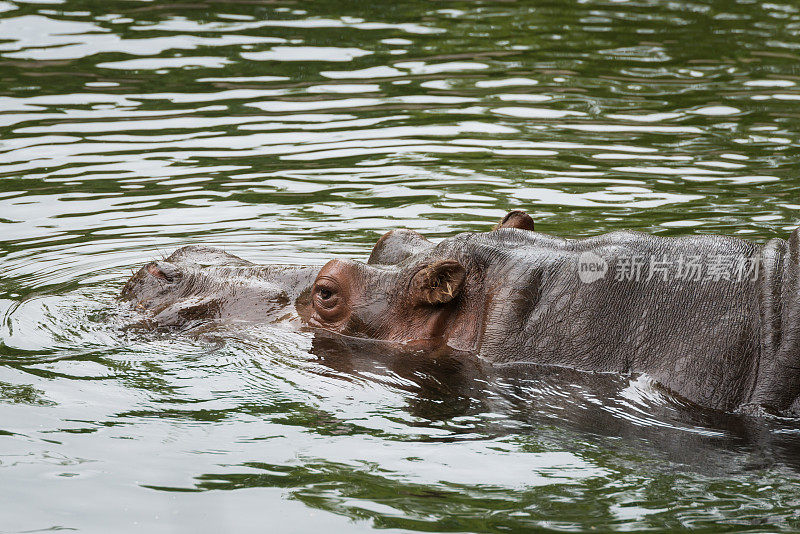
column 714, row 319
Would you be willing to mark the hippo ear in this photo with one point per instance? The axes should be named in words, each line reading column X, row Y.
column 516, row 219
column 438, row 283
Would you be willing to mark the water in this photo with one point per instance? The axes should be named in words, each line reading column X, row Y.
column 297, row 132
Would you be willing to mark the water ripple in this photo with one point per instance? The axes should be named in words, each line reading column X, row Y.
column 297, row 133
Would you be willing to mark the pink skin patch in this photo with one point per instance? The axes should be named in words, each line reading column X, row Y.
column 155, row 271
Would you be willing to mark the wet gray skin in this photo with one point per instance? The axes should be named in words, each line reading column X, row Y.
column 202, row 286
column 515, row 296
column 449, row 384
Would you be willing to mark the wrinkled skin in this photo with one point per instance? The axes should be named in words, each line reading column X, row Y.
column 514, row 295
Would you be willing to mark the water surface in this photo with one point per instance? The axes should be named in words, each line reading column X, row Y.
column 297, row 132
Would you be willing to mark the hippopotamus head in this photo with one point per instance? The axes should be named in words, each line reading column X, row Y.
column 200, row 285
column 409, row 291
column 197, row 285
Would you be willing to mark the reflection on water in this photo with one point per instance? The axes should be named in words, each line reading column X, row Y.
column 293, row 133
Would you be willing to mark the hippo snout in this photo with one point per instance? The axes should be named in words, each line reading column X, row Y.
column 164, row 271
column 146, row 285
column 198, row 285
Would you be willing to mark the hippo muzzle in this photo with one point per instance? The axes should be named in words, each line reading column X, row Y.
column 198, row 285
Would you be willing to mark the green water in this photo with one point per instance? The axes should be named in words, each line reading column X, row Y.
column 294, row 132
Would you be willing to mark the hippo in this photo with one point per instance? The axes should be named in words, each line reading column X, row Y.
column 198, row 287
column 713, row 319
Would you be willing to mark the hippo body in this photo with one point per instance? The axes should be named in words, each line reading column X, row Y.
column 714, row 319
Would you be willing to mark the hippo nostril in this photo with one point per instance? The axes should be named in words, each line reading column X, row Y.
column 164, row 271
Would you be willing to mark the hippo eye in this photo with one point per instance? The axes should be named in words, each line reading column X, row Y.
column 326, row 299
